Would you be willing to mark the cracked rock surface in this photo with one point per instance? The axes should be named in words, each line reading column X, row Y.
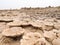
column 30, row 26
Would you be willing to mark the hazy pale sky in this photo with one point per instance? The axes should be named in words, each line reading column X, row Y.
column 7, row 4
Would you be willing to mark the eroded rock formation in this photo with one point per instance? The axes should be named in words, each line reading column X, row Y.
column 40, row 26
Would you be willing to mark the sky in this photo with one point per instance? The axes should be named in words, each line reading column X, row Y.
column 16, row 4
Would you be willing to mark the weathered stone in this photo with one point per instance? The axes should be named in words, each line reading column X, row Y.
column 33, row 39
column 58, row 34
column 18, row 23
column 36, row 24
column 6, row 19
column 13, row 32
column 43, row 41
column 56, row 41
column 8, row 41
column 2, row 26
column 58, row 21
column 44, row 27
column 48, row 23
column 30, row 26
column 57, row 25
column 50, row 19
column 30, row 38
column 49, row 35
column 55, row 31
column 13, row 24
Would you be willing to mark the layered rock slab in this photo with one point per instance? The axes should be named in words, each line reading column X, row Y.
column 13, row 32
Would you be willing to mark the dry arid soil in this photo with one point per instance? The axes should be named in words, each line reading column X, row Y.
column 30, row 26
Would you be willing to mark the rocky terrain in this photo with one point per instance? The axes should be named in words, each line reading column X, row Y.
column 30, row 26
